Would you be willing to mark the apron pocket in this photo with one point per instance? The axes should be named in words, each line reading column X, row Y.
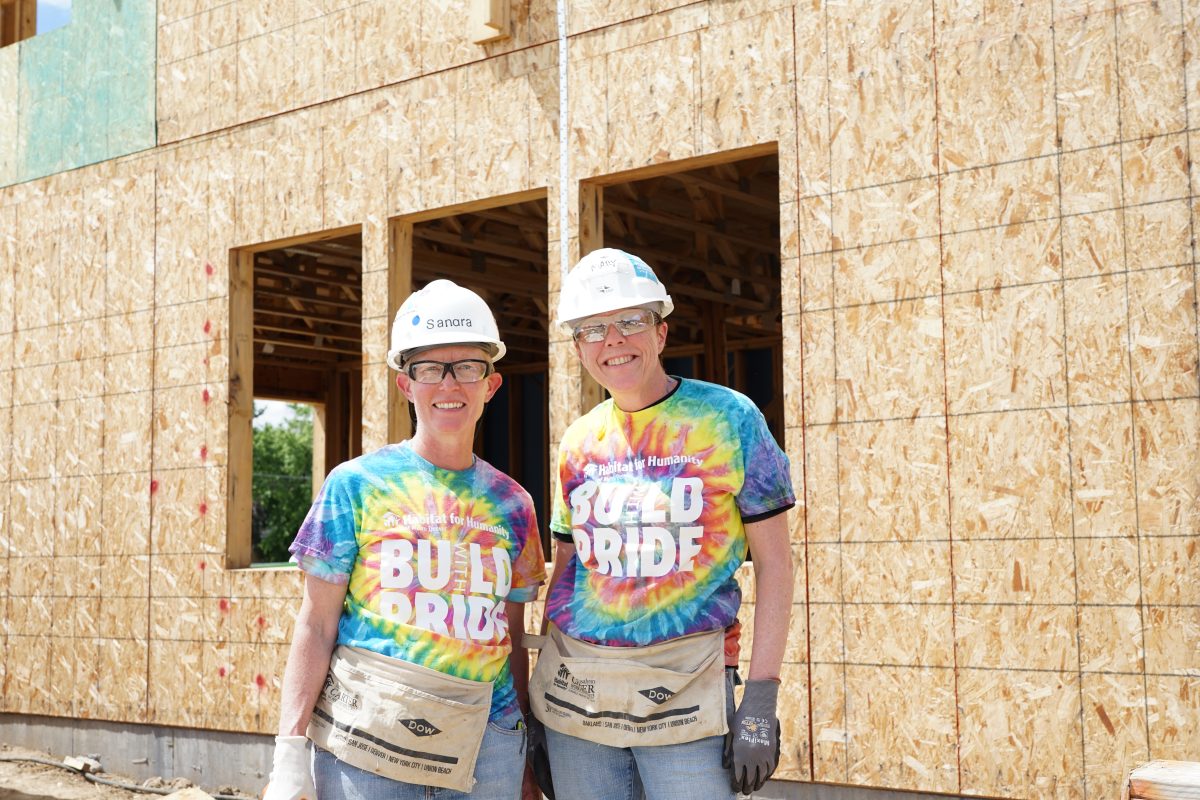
column 626, row 697
column 400, row 720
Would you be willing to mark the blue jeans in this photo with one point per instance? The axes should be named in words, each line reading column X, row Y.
column 498, row 773
column 585, row 770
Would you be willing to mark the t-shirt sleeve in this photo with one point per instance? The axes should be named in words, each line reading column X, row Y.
column 327, row 544
column 560, row 509
column 767, row 486
column 529, row 571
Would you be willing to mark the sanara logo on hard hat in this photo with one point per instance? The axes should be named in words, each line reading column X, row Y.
column 435, row 323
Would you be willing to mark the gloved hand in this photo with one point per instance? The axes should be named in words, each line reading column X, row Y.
column 291, row 771
column 752, row 744
column 537, row 754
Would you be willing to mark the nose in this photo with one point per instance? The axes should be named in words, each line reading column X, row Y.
column 612, row 334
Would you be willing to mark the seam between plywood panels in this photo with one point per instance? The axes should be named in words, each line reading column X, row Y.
column 803, row 425
column 1121, row 216
column 1058, row 137
column 937, row 156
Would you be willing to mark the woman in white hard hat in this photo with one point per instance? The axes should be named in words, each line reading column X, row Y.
column 662, row 489
column 416, row 557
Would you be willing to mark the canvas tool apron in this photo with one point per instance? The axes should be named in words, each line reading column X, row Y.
column 400, row 720
column 665, row 693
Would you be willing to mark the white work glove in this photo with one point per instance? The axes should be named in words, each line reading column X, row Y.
column 291, row 771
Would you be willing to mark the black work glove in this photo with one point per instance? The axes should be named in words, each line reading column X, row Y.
column 752, row 744
column 537, row 754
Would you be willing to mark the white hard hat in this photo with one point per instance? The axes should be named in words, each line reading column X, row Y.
column 440, row 314
column 607, row 280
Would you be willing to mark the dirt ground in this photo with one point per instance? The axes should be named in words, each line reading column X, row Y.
column 26, row 780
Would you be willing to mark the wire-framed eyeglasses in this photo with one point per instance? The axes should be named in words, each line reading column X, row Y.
column 628, row 324
column 467, row 370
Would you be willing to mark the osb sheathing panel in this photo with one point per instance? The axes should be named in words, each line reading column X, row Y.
column 1031, row 259
column 991, row 387
column 236, row 62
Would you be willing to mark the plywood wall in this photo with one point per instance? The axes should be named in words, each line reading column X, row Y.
column 989, row 287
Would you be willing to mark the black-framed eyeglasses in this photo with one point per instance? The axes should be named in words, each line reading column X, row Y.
column 628, row 324
column 467, row 370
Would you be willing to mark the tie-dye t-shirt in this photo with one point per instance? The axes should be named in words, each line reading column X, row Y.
column 429, row 556
column 655, row 503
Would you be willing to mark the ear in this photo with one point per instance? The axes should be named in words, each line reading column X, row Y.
column 404, row 384
column 493, row 385
column 662, row 336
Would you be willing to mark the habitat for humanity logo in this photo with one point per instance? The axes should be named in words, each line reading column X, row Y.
column 420, row 727
column 584, row 687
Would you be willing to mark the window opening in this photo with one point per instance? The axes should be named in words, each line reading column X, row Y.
column 501, row 253
column 283, row 476
column 296, row 331
column 712, row 234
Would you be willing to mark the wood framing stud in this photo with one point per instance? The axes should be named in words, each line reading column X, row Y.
column 18, row 20
column 241, row 408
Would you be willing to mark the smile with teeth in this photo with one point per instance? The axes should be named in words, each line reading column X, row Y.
column 618, row 361
column 448, row 406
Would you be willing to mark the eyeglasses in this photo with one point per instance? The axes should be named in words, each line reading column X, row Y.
column 627, row 324
column 468, row 370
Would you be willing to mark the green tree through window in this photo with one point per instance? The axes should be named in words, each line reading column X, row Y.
column 282, row 488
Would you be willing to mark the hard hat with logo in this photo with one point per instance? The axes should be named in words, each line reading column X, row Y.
column 607, row 280
column 442, row 313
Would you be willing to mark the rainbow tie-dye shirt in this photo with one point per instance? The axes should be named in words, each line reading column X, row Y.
column 655, row 502
column 429, row 556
